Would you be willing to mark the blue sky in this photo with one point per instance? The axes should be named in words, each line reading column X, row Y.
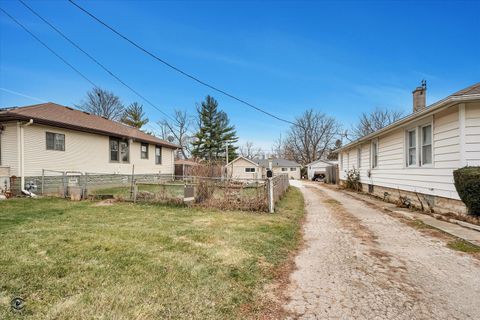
column 341, row 57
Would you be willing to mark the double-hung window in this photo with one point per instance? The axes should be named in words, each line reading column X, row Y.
column 293, row 169
column 119, row 150
column 55, row 141
column 426, row 144
column 249, row 169
column 144, row 151
column 374, row 147
column 158, row 155
column 419, row 146
column 284, row 169
column 359, row 157
column 412, row 147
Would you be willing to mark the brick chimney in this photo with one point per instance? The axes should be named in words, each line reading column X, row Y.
column 420, row 97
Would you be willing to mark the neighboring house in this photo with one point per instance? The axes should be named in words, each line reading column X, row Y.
column 416, row 155
column 55, row 137
column 243, row 168
column 319, row 167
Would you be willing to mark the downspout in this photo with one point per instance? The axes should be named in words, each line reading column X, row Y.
column 22, row 159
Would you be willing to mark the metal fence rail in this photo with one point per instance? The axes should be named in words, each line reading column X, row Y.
column 213, row 192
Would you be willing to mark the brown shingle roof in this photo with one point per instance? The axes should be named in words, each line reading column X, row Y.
column 65, row 117
column 474, row 89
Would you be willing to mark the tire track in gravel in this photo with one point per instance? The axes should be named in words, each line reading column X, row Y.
column 345, row 272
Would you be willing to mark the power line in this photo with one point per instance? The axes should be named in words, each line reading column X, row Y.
column 93, row 59
column 177, row 69
column 46, row 46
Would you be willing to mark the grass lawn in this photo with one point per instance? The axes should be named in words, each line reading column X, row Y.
column 79, row 260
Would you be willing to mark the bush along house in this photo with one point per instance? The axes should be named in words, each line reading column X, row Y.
column 54, row 137
column 413, row 159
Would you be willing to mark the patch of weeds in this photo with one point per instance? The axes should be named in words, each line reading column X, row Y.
column 463, row 246
column 332, row 202
column 419, row 224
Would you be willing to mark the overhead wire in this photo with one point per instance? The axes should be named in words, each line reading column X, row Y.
column 101, row 65
column 177, row 69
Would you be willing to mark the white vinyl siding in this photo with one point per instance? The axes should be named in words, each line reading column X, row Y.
column 9, row 147
column 86, row 152
column 435, row 178
column 472, row 134
column 238, row 170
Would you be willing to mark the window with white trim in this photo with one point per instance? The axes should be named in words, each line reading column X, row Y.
column 55, row 141
column 284, row 169
column 359, row 157
column 412, row 147
column 158, row 155
column 426, row 144
column 374, row 153
column 144, row 150
column 251, row 170
column 119, row 150
column 419, row 145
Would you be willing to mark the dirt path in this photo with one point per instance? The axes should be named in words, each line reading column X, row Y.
column 359, row 263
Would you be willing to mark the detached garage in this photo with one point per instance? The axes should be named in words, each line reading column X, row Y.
column 319, row 168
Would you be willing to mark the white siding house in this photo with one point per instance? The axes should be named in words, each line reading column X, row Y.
column 243, row 168
column 53, row 137
column 418, row 154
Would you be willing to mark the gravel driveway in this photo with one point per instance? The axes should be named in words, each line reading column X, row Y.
column 360, row 263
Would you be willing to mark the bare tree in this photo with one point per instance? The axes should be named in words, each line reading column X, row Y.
column 102, row 103
column 373, row 121
column 249, row 151
column 278, row 148
column 180, row 129
column 313, row 134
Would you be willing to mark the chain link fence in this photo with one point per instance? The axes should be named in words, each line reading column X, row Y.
column 211, row 192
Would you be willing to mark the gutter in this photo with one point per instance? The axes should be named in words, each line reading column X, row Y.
column 436, row 107
column 22, row 159
column 11, row 116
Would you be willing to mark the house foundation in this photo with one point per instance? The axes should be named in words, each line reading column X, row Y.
column 440, row 205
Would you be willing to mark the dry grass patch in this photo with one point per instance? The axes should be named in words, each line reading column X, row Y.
column 77, row 260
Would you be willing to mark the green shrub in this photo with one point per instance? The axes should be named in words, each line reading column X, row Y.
column 467, row 183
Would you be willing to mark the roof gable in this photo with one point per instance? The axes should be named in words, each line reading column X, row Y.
column 242, row 158
column 324, row 161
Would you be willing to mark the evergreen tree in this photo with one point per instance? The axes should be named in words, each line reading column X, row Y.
column 214, row 133
column 134, row 116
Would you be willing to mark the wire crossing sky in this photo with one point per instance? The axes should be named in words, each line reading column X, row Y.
column 341, row 58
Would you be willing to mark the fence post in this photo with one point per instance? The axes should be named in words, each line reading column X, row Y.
column 43, row 178
column 271, row 203
column 131, row 185
column 85, row 186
